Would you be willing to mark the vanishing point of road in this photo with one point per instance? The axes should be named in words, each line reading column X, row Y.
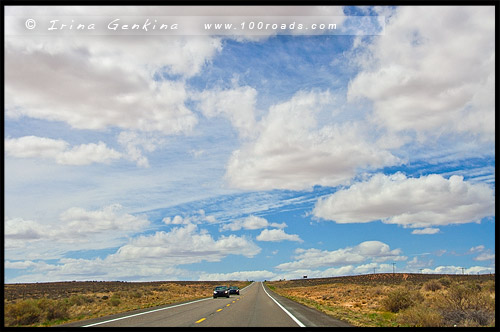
column 256, row 306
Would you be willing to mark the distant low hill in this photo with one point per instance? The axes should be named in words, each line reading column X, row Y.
column 388, row 278
column 63, row 289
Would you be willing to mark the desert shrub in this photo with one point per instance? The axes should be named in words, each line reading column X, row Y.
column 468, row 318
column 79, row 300
column 489, row 286
column 377, row 291
column 22, row 313
column 445, row 281
column 54, row 309
column 135, row 294
column 468, row 296
column 114, row 301
column 420, row 315
column 401, row 299
column 432, row 285
column 467, row 305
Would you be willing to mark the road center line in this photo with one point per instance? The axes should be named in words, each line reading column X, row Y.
column 200, row 320
column 286, row 311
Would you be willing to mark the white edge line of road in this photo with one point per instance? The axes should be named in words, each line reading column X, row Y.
column 148, row 312
column 286, row 311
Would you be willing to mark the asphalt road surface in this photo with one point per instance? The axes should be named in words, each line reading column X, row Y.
column 256, row 306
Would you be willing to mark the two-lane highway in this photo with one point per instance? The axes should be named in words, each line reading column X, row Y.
column 256, row 306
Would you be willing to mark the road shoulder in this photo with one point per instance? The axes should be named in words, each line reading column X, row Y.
column 310, row 317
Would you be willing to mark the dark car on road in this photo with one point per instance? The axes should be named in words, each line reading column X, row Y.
column 234, row 290
column 221, row 291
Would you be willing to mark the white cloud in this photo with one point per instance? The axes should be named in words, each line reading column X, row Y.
column 22, row 265
column 96, row 269
column 441, row 76
column 133, row 142
column 476, row 249
column 485, row 256
column 59, row 150
column 417, row 263
column 277, row 235
column 238, row 275
column 85, row 154
column 177, row 220
column 184, row 245
column 76, row 226
column 130, row 82
column 198, row 218
column 412, row 202
column 250, row 222
column 427, row 230
column 369, row 250
column 451, row 269
column 18, row 230
column 45, row 86
column 80, row 221
column 292, row 152
column 237, row 104
column 146, row 257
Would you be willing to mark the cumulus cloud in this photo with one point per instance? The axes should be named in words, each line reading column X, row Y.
column 198, row 218
column 250, row 222
column 483, row 253
column 277, row 235
column 60, row 150
column 109, row 218
column 47, row 83
column 238, row 275
column 177, row 220
column 485, row 256
column 237, row 105
column 18, row 230
column 129, row 82
column 135, row 143
column 292, row 152
column 418, row 263
column 431, row 82
column 146, row 257
column 476, row 249
column 427, row 230
column 184, row 245
column 451, row 269
column 76, row 225
column 330, row 272
column 369, row 250
column 95, row 269
column 412, row 202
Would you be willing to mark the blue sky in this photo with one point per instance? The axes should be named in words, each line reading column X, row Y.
column 250, row 157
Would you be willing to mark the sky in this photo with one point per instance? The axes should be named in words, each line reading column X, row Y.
column 248, row 154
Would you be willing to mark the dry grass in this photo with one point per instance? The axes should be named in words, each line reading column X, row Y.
column 401, row 301
column 66, row 304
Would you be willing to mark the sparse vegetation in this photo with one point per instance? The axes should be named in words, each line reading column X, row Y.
column 48, row 304
column 401, row 299
column 420, row 315
column 433, row 285
column 412, row 300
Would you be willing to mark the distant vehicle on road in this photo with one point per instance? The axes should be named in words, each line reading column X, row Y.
column 221, row 291
column 234, row 290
